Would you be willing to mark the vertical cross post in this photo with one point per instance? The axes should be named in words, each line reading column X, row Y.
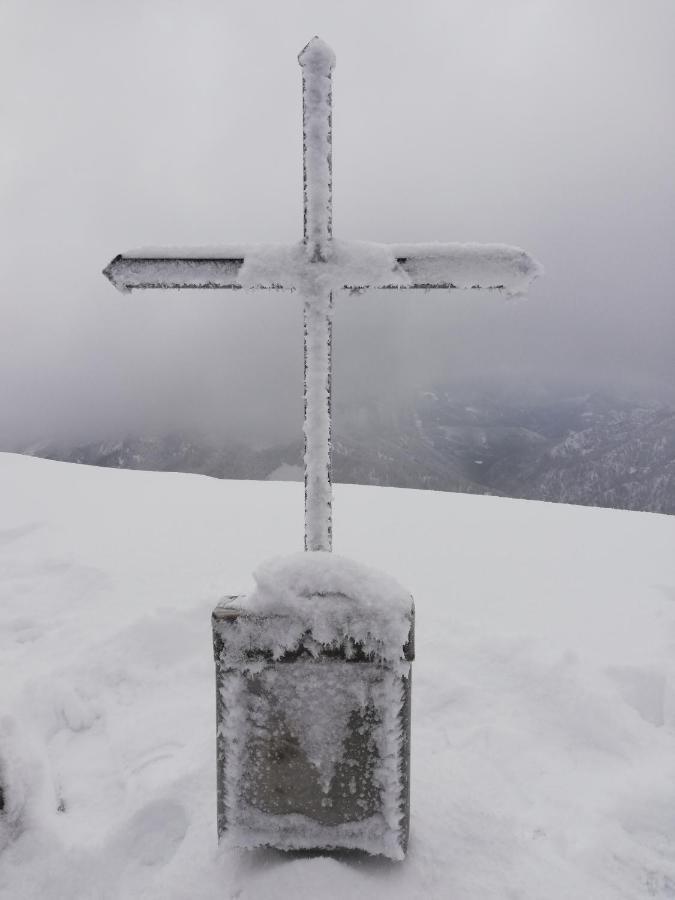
column 317, row 61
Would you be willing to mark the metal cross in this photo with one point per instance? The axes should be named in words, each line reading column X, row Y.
column 314, row 268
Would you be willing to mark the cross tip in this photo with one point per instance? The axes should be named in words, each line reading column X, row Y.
column 317, row 56
column 109, row 273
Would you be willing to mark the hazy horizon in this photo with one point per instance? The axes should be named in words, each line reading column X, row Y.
column 547, row 125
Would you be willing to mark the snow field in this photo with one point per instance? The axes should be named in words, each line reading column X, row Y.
column 543, row 742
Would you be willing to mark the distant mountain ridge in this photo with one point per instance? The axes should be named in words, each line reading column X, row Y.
column 590, row 450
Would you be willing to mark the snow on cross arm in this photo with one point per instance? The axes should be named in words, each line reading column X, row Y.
column 350, row 265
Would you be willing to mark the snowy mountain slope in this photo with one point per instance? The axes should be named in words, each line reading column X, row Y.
column 543, row 694
column 589, row 449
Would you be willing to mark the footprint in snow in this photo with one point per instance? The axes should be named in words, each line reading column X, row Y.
column 156, row 767
column 25, row 630
column 644, row 689
column 153, row 834
column 9, row 535
column 155, row 755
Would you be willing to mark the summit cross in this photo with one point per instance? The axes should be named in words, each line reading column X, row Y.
column 319, row 267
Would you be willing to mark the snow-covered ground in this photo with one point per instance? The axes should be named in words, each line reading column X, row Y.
column 543, row 689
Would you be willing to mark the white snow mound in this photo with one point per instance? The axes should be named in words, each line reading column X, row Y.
column 334, row 598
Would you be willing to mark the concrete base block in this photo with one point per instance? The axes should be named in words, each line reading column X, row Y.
column 313, row 748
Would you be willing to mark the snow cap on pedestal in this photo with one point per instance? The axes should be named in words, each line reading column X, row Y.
column 329, row 597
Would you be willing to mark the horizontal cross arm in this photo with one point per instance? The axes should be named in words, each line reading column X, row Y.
column 129, row 272
column 352, row 266
column 462, row 266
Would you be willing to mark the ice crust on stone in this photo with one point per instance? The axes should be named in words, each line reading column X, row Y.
column 317, row 601
column 317, row 699
column 334, row 598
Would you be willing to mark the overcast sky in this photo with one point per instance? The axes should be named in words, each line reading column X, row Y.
column 549, row 124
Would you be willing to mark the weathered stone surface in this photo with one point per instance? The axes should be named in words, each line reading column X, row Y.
column 269, row 792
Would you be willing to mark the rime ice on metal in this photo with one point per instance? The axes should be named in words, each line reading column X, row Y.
column 354, row 266
column 317, row 315
column 313, row 668
column 318, row 268
column 317, row 61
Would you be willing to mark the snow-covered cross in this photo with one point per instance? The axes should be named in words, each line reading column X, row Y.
column 318, row 268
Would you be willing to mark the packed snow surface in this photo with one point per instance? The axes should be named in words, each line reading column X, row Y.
column 543, row 739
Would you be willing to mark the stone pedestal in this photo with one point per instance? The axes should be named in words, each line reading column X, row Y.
column 313, row 744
